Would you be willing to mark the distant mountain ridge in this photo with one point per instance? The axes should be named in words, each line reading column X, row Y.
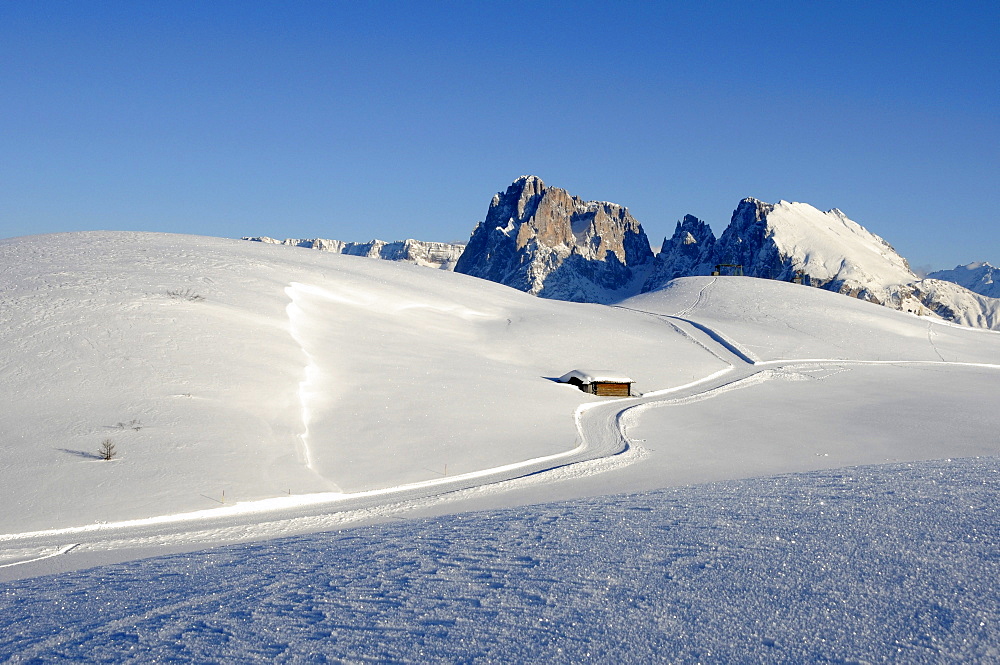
column 439, row 255
column 981, row 278
column 547, row 242
column 544, row 241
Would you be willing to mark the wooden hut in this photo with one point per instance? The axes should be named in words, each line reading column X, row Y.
column 599, row 382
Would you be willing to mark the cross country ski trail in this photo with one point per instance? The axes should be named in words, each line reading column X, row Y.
column 602, row 444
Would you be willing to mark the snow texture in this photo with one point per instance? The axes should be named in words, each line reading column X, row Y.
column 886, row 564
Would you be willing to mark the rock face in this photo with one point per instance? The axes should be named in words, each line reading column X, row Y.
column 684, row 254
column 981, row 278
column 546, row 242
column 431, row 254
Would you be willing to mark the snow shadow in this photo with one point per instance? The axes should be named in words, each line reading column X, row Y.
column 80, row 453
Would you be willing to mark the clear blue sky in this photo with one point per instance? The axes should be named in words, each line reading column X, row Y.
column 398, row 119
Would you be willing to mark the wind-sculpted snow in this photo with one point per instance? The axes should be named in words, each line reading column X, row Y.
column 878, row 564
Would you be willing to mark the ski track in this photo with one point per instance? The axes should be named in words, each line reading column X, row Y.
column 61, row 550
column 930, row 339
column 602, row 445
column 701, row 296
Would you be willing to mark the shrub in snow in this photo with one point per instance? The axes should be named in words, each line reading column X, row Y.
column 107, row 449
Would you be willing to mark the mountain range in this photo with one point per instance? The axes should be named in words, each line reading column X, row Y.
column 981, row 278
column 439, row 255
column 544, row 241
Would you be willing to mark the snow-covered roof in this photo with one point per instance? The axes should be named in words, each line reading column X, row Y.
column 595, row 376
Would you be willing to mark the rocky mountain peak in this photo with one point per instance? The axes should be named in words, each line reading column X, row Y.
column 751, row 210
column 685, row 253
column 545, row 241
column 786, row 240
column 530, row 190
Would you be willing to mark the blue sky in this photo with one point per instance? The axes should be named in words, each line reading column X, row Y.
column 396, row 119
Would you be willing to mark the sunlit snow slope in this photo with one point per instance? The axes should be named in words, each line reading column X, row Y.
column 770, row 320
column 225, row 371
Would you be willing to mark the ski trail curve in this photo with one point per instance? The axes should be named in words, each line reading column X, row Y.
column 701, row 296
column 707, row 338
column 602, row 444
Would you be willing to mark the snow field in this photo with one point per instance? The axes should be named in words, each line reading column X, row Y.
column 291, row 373
column 824, row 416
column 891, row 563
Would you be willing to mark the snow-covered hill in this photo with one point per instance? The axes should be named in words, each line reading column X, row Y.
column 219, row 366
column 255, row 370
column 255, row 391
column 440, row 255
column 770, row 320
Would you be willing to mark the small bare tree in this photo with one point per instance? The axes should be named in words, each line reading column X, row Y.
column 107, row 449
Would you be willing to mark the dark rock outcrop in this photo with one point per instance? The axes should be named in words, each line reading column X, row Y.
column 544, row 241
column 688, row 252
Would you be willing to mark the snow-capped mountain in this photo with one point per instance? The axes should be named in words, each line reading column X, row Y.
column 953, row 302
column 440, row 255
column 544, row 241
column 981, row 278
column 828, row 250
column 777, row 241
